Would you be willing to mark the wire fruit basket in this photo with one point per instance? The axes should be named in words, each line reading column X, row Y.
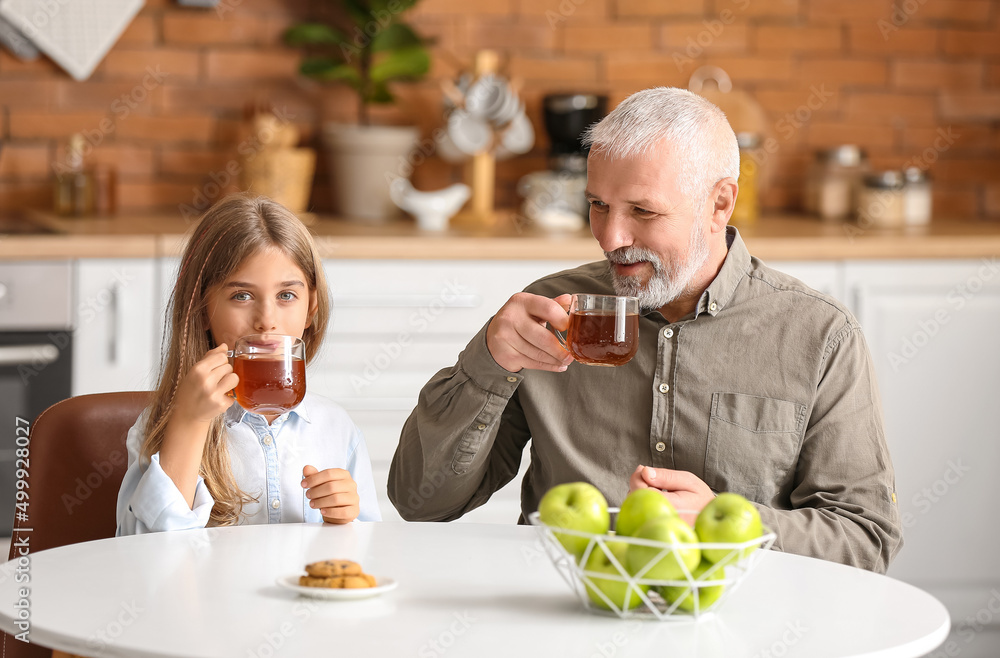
column 700, row 591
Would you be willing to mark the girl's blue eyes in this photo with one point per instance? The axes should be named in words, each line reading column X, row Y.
column 286, row 296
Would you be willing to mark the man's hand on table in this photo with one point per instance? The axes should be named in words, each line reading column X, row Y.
column 684, row 490
column 517, row 337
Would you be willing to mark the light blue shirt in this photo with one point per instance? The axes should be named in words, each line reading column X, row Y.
column 267, row 463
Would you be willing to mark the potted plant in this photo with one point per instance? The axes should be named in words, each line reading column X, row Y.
column 365, row 45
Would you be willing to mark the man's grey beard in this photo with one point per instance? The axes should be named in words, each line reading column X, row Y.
column 667, row 282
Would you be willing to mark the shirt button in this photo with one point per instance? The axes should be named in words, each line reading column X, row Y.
column 275, row 503
column 267, row 440
column 480, row 427
column 664, row 388
column 713, row 306
column 668, row 333
column 512, row 379
column 661, row 446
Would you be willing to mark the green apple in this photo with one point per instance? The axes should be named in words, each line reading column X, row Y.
column 729, row 518
column 640, row 506
column 706, row 595
column 575, row 506
column 670, row 530
column 618, row 591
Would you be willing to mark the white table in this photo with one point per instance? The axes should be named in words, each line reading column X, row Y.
column 464, row 590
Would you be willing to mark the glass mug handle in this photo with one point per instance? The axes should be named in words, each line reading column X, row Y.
column 562, row 335
column 229, row 354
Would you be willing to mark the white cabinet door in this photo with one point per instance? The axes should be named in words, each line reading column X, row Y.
column 932, row 330
column 113, row 338
column 395, row 324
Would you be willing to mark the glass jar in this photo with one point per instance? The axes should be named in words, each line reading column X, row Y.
column 72, row 187
column 881, row 200
column 833, row 181
column 917, row 197
column 746, row 210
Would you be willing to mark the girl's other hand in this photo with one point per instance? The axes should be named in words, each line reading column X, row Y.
column 203, row 394
column 333, row 492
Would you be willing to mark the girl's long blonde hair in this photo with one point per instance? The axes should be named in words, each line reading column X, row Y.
column 234, row 229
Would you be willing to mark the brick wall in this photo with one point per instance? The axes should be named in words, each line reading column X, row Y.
column 912, row 79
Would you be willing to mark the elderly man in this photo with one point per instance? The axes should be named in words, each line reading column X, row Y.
column 746, row 380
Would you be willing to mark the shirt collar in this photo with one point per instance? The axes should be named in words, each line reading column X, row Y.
column 235, row 413
column 723, row 287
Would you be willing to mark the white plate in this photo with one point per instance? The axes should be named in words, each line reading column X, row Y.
column 382, row 585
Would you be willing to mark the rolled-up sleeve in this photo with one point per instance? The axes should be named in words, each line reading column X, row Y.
column 149, row 501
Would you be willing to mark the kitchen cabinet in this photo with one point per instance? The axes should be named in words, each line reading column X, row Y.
column 932, row 330
column 114, row 345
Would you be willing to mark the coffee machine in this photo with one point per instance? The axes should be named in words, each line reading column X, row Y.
column 554, row 199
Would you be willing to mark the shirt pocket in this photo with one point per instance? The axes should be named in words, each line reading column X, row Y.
column 753, row 445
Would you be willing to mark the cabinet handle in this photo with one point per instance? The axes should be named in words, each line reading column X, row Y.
column 16, row 355
column 405, row 301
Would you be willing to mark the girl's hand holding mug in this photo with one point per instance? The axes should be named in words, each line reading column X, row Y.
column 203, row 393
column 333, row 492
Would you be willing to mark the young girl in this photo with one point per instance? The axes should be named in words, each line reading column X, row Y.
column 196, row 458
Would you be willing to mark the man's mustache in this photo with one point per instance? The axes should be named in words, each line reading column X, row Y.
column 632, row 255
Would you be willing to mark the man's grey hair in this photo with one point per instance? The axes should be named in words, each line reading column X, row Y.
column 697, row 130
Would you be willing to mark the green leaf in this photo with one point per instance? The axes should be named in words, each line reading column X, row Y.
column 409, row 63
column 328, row 69
column 394, row 37
column 308, row 34
column 381, row 94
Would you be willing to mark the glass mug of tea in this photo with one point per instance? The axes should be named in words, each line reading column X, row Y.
column 272, row 372
column 603, row 329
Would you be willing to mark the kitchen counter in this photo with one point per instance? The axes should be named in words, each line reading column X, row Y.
column 772, row 238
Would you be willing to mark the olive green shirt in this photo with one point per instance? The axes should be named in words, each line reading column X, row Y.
column 767, row 390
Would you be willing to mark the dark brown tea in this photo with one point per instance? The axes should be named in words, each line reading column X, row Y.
column 591, row 337
column 269, row 384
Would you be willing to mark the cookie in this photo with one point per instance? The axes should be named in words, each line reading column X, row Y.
column 359, row 581
column 330, row 568
column 314, row 581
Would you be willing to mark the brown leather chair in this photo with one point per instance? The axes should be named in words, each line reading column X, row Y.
column 77, row 463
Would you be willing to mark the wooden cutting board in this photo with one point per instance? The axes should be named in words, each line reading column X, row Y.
column 744, row 113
